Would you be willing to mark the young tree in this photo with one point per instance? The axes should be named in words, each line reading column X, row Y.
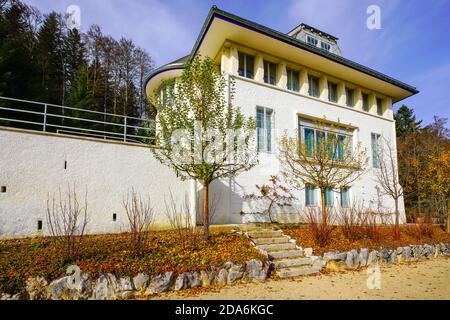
column 275, row 195
column 330, row 162
column 200, row 134
column 388, row 178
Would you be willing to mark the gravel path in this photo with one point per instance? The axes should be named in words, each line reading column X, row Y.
column 418, row 280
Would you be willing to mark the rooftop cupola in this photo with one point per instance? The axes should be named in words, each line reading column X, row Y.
column 316, row 38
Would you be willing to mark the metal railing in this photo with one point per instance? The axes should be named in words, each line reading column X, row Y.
column 58, row 119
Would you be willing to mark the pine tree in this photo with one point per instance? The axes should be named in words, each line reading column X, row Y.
column 405, row 121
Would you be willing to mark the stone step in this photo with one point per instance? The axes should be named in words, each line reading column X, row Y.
column 297, row 271
column 296, row 262
column 285, row 254
column 265, row 234
column 282, row 239
column 277, row 246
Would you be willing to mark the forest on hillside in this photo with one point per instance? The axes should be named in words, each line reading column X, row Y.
column 41, row 59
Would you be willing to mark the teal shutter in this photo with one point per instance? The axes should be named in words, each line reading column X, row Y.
column 345, row 197
column 328, row 197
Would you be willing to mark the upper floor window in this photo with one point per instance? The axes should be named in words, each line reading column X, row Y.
column 325, row 46
column 246, row 65
column 264, row 129
column 332, row 92
column 365, row 102
column 376, row 148
column 293, row 80
column 350, row 101
column 312, row 41
column 313, row 86
column 270, row 72
column 379, row 106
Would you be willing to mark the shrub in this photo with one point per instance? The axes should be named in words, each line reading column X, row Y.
column 422, row 229
column 67, row 220
column 321, row 233
column 140, row 218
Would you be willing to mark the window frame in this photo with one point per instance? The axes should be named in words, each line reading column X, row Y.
column 332, row 84
column 249, row 74
column 311, row 200
column 267, row 66
column 347, row 100
column 315, row 41
column 375, row 151
column 322, row 43
column 379, row 102
column 267, row 134
column 290, row 74
column 313, row 79
column 347, row 193
column 365, row 107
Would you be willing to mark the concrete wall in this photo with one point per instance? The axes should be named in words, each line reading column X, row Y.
column 32, row 166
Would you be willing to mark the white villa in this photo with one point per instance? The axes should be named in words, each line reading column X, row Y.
column 286, row 80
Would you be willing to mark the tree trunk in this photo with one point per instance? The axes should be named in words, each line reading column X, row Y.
column 397, row 222
column 324, row 207
column 206, row 211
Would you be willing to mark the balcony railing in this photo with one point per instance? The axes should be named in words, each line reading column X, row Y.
column 47, row 117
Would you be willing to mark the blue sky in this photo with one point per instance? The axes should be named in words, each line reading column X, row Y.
column 412, row 44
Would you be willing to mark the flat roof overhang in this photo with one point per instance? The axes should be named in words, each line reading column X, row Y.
column 221, row 26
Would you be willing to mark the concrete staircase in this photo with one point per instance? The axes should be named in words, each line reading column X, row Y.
column 287, row 259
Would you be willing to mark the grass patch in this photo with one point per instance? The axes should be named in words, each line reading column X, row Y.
column 23, row 258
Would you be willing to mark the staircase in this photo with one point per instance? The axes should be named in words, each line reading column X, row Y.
column 287, row 259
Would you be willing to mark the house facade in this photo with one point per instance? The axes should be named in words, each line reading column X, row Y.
column 288, row 82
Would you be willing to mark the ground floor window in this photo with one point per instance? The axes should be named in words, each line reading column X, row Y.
column 345, row 197
column 329, row 197
column 310, row 197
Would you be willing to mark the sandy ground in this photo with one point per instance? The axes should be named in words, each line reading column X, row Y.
column 418, row 280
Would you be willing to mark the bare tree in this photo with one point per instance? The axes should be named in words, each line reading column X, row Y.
column 140, row 218
column 388, row 179
column 329, row 162
column 67, row 220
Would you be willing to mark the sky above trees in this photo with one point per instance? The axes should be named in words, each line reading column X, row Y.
column 410, row 46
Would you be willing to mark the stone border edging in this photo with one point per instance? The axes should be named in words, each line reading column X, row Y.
column 78, row 286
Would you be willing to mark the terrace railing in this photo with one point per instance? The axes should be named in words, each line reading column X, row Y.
column 58, row 119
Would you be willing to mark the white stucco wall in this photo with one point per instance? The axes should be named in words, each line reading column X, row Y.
column 286, row 106
column 32, row 166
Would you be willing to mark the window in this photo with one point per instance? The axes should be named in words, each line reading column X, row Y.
column 379, row 106
column 329, row 197
column 350, row 97
column 264, row 127
column 332, row 92
column 376, row 138
column 345, row 197
column 341, row 147
column 365, row 102
column 337, row 143
column 313, row 86
column 293, row 80
column 325, row 46
column 312, row 41
column 270, row 72
column 309, row 141
column 246, row 65
column 310, row 197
